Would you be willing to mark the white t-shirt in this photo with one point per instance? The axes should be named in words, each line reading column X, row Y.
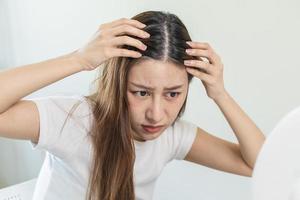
column 65, row 171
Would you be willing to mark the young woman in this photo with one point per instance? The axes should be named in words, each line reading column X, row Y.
column 114, row 143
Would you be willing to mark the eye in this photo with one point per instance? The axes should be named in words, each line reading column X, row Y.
column 141, row 93
column 173, row 94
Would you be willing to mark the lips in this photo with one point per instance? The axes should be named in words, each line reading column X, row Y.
column 152, row 129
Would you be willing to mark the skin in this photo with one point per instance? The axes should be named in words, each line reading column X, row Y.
column 207, row 149
column 158, row 105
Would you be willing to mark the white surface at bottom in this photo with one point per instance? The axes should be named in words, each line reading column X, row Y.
column 21, row 191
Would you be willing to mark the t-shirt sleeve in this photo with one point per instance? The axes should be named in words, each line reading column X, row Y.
column 60, row 133
column 183, row 134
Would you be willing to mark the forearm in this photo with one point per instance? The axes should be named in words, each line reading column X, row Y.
column 21, row 81
column 249, row 136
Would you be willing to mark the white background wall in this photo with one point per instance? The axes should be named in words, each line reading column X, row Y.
column 257, row 40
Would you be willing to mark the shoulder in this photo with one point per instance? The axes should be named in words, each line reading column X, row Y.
column 181, row 136
column 181, row 126
column 63, row 102
column 62, row 108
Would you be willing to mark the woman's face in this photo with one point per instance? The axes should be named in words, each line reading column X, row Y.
column 156, row 91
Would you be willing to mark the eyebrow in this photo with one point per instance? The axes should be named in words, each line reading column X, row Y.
column 151, row 88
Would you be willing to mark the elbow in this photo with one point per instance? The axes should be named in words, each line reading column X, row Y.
column 248, row 170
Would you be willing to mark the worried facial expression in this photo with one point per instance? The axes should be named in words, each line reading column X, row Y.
column 156, row 91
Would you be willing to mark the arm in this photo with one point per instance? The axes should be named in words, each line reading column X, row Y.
column 211, row 151
column 21, row 81
column 250, row 138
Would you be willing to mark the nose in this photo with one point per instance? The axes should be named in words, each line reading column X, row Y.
column 155, row 112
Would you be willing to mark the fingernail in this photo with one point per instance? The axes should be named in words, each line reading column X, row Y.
column 189, row 50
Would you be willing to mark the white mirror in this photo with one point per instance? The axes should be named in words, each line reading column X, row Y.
column 277, row 171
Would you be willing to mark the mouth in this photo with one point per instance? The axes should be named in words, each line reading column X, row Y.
column 152, row 129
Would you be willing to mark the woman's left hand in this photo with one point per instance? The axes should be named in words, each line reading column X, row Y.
column 209, row 72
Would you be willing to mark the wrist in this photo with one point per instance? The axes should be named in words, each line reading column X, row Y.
column 223, row 96
column 75, row 61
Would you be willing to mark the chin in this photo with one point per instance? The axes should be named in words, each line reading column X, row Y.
column 151, row 136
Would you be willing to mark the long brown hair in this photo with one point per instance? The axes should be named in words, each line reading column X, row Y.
column 111, row 176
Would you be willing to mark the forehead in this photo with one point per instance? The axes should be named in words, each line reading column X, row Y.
column 157, row 73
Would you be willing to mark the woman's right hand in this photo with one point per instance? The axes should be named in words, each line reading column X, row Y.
column 107, row 41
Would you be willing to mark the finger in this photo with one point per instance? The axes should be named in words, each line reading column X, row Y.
column 118, row 22
column 205, row 46
column 202, row 53
column 126, row 40
column 118, row 52
column 199, row 64
column 199, row 45
column 197, row 73
column 128, row 29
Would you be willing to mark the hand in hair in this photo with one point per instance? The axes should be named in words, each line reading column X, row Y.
column 210, row 72
column 107, row 41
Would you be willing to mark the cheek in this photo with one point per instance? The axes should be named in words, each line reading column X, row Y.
column 175, row 106
column 179, row 103
column 132, row 102
column 134, row 105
